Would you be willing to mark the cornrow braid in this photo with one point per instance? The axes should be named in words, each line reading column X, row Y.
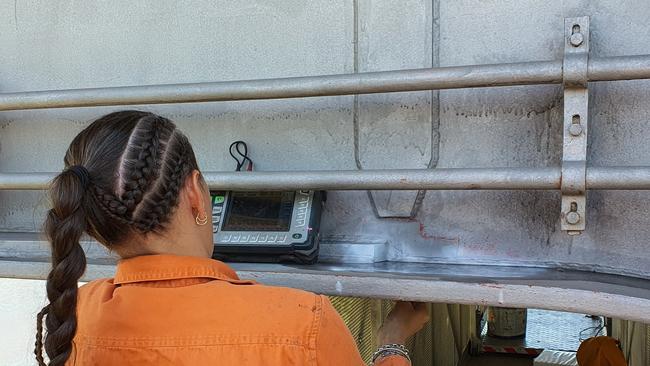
column 140, row 168
column 141, row 161
column 158, row 204
column 112, row 206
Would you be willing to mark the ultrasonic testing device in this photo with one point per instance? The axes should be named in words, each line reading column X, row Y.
column 267, row 226
column 275, row 226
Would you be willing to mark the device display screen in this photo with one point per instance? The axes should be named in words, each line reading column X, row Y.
column 259, row 211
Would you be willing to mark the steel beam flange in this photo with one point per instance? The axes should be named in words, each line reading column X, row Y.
column 574, row 151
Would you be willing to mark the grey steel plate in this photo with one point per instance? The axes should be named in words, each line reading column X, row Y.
column 24, row 256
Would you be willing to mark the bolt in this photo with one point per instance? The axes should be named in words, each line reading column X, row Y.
column 575, row 129
column 572, row 218
column 576, row 39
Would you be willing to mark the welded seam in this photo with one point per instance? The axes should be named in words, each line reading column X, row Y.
column 435, row 102
column 355, row 105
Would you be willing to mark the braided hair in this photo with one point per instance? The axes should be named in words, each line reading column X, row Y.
column 123, row 176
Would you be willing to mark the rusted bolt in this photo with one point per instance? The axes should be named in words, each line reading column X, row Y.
column 572, row 218
column 576, row 39
column 575, row 129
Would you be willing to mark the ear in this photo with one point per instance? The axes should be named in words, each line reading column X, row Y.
column 195, row 191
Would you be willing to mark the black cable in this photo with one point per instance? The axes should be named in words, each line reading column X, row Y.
column 596, row 329
column 243, row 154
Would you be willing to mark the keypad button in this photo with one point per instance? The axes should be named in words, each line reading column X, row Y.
column 282, row 238
column 262, row 238
column 226, row 238
column 244, row 238
column 271, row 238
column 215, row 228
column 217, row 210
column 253, row 238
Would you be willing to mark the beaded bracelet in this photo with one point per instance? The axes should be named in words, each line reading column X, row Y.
column 390, row 350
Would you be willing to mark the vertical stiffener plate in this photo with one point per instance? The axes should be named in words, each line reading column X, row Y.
column 576, row 98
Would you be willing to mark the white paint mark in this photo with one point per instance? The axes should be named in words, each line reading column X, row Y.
column 500, row 300
column 339, row 287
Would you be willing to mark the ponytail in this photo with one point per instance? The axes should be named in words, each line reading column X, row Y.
column 64, row 225
column 139, row 162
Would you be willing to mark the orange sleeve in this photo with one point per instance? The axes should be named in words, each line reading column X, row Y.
column 335, row 345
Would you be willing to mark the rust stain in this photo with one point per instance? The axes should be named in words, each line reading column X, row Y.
column 427, row 236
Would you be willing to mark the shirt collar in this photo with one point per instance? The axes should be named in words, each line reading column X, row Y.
column 161, row 267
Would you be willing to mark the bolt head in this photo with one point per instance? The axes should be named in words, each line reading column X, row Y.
column 572, row 218
column 575, row 129
column 576, row 39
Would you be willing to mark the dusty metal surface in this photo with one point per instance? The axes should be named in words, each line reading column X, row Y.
column 483, row 128
column 610, row 178
column 523, row 127
column 571, row 291
column 458, row 77
column 25, row 256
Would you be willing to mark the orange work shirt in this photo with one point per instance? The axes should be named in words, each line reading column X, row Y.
column 175, row 310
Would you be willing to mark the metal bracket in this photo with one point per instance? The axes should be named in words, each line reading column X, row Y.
column 576, row 98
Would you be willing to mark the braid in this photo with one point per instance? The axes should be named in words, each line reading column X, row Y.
column 140, row 168
column 139, row 163
column 144, row 154
column 38, row 349
column 64, row 225
column 111, row 206
column 159, row 203
column 154, row 165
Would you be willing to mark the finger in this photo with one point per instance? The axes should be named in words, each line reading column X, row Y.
column 422, row 311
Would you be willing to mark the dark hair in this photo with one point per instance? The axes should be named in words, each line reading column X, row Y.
column 123, row 176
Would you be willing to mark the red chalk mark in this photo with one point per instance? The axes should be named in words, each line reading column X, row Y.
column 482, row 248
column 423, row 231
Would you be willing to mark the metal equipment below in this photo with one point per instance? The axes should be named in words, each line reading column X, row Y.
column 552, row 330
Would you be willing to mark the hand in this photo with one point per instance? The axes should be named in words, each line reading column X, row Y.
column 406, row 319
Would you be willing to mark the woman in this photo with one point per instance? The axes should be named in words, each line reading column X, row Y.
column 132, row 183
